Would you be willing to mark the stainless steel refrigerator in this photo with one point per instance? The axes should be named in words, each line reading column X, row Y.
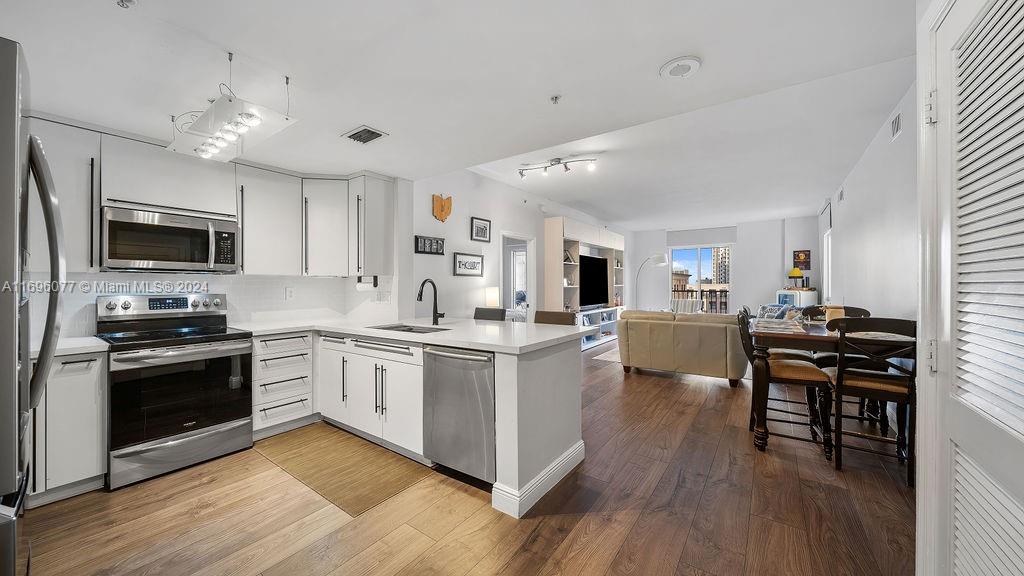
column 21, row 382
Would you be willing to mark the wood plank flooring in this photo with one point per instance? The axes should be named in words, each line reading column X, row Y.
column 671, row 485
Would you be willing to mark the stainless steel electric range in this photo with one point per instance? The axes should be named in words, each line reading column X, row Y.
column 180, row 383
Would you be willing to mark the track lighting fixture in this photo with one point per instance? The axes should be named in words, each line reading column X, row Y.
column 563, row 162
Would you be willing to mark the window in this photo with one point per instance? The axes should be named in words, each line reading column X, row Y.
column 701, row 274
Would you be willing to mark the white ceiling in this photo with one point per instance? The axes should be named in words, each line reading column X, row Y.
column 455, row 82
column 774, row 155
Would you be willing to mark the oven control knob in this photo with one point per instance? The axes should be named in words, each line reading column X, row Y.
column 111, row 304
column 195, row 303
column 126, row 304
column 216, row 302
column 206, row 303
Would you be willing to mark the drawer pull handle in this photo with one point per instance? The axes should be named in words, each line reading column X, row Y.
column 265, row 384
column 334, row 340
column 71, row 362
column 382, row 347
column 268, row 360
column 283, row 339
column 269, row 408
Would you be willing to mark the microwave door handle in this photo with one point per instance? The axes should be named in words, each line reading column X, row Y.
column 58, row 267
column 209, row 258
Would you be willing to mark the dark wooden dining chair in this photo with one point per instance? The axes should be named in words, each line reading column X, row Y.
column 550, row 317
column 870, row 413
column 489, row 314
column 799, row 372
column 877, row 361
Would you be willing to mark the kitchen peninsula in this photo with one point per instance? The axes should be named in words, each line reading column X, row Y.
column 536, row 389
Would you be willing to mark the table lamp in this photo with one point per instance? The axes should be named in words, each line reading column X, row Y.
column 491, row 296
column 797, row 274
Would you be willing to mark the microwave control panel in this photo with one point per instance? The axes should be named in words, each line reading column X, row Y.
column 224, row 251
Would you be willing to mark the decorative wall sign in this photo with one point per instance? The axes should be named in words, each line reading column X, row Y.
column 467, row 264
column 429, row 245
column 442, row 207
column 479, row 229
column 802, row 259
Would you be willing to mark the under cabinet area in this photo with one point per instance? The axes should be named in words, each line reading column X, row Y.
column 69, row 434
column 373, row 387
column 282, row 379
column 270, row 213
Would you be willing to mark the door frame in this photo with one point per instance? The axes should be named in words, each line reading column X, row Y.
column 532, row 270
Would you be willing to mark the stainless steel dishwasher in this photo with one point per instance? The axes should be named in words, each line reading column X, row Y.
column 458, row 410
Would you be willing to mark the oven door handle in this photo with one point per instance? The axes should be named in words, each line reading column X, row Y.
column 170, row 356
column 180, row 441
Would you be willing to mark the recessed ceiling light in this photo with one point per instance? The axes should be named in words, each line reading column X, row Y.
column 682, row 67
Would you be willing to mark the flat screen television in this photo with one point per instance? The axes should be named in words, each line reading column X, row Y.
column 593, row 281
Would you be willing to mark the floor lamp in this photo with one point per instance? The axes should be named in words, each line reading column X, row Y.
column 657, row 260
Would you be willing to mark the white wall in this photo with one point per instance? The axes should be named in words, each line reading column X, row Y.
column 802, row 234
column 653, row 289
column 757, row 263
column 875, row 224
column 509, row 209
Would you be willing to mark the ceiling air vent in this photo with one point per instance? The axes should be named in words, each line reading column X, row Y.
column 895, row 126
column 364, row 134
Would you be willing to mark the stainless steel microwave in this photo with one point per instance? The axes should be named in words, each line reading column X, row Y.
column 135, row 239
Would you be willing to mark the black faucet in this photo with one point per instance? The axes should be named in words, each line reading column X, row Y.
column 419, row 298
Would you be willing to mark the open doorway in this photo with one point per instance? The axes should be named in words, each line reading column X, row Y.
column 515, row 282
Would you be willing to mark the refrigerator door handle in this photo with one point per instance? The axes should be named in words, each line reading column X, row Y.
column 58, row 267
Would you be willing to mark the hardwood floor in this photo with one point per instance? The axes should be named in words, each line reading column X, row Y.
column 671, row 485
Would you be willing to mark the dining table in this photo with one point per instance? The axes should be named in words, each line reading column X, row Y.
column 807, row 335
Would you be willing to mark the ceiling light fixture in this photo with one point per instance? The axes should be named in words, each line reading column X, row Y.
column 679, row 68
column 229, row 126
column 563, row 162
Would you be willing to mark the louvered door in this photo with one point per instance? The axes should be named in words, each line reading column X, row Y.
column 974, row 500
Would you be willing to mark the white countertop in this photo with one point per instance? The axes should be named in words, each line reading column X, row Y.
column 487, row 335
column 74, row 345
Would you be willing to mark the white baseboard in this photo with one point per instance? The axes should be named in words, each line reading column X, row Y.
column 518, row 502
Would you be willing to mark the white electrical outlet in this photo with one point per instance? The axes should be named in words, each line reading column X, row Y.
column 289, row 293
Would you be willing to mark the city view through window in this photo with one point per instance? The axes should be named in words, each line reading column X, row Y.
column 702, row 274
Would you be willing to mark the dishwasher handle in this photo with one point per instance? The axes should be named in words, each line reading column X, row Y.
column 458, row 355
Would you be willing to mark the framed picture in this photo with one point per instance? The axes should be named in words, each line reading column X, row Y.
column 467, row 264
column 802, row 259
column 429, row 245
column 479, row 229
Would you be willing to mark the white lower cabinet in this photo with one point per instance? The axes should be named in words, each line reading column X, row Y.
column 282, row 388
column 378, row 395
column 70, row 434
column 402, row 405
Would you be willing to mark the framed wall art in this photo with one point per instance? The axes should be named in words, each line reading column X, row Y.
column 467, row 264
column 479, row 229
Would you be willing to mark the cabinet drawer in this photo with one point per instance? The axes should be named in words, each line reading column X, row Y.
column 284, row 410
column 281, row 343
column 284, row 365
column 280, row 388
column 382, row 349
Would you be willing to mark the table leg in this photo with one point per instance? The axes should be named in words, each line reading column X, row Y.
column 759, row 398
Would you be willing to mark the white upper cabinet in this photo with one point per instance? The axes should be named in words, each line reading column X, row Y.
column 611, row 239
column 585, row 233
column 327, row 222
column 73, row 155
column 270, row 212
column 142, row 173
column 371, row 217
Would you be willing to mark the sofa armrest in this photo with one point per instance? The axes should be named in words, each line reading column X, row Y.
column 622, row 328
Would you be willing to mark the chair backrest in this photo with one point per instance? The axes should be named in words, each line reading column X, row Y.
column 489, row 314
column 817, row 312
column 550, row 317
column 743, row 321
column 887, row 345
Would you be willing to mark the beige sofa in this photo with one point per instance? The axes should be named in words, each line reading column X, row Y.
column 705, row 344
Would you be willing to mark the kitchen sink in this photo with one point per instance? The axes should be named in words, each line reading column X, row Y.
column 409, row 329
